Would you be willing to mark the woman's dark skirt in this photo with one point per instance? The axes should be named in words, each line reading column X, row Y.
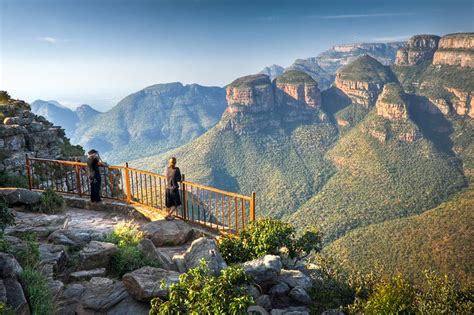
column 95, row 189
column 172, row 198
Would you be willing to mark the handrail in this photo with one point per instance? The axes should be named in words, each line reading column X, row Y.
column 214, row 208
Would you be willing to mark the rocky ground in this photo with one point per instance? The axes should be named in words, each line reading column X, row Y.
column 76, row 260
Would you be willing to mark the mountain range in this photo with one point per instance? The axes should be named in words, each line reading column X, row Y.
column 386, row 147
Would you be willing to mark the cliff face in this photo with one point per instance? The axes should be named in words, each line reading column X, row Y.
column 455, row 50
column 419, row 48
column 253, row 93
column 22, row 132
column 296, row 88
column 463, row 102
column 391, row 104
column 363, row 80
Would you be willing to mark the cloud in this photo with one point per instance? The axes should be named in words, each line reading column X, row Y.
column 48, row 39
column 359, row 16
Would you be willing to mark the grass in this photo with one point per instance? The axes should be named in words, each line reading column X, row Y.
column 366, row 69
column 51, row 202
column 295, row 77
column 37, row 291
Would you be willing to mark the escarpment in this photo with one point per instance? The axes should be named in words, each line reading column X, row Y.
column 419, row 48
column 455, row 50
column 297, row 88
column 363, row 80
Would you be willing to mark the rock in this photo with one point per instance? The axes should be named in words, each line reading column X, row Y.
column 257, row 310
column 101, row 294
column 264, row 268
column 168, row 233
column 55, row 287
column 179, row 262
column 418, row 49
column 292, row 310
column 16, row 299
column 9, row 267
column 252, row 93
column 295, row 278
column 252, row 290
column 87, row 274
column 300, row 295
column 20, row 197
column 463, row 102
column 144, row 284
column 298, row 89
column 147, row 247
column 54, row 255
column 264, row 301
column 96, row 255
column 333, row 312
column 204, row 248
column 279, row 289
column 75, row 237
column 40, row 224
column 391, row 103
column 130, row 306
column 455, row 50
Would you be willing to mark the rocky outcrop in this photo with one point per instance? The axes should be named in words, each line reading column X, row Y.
column 419, row 49
column 96, row 255
column 455, row 50
column 204, row 248
column 391, row 104
column 168, row 233
column 463, row 102
column 22, row 132
column 253, row 93
column 145, row 283
column 296, row 88
column 363, row 80
column 11, row 291
column 263, row 269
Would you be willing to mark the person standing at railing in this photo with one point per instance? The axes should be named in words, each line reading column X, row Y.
column 173, row 178
column 93, row 162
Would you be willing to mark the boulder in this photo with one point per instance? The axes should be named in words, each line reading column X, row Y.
column 55, row 287
column 54, row 255
column 130, row 306
column 300, row 295
column 9, row 267
column 40, row 224
column 87, row 274
column 20, row 197
column 256, row 310
column 147, row 247
column 96, row 255
column 204, row 248
column 279, row 289
column 145, row 283
column 334, row 311
column 264, row 301
column 295, row 278
column 179, row 262
column 264, row 268
column 74, row 237
column 101, row 294
column 16, row 300
column 168, row 233
column 292, row 310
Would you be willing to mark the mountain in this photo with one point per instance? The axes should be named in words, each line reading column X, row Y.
column 273, row 71
column 63, row 116
column 323, row 67
column 153, row 120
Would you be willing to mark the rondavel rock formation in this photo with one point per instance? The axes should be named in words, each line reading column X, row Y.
column 456, row 50
column 256, row 103
column 22, row 132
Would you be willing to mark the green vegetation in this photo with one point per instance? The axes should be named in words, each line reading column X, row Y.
column 199, row 292
column 35, row 283
column 438, row 239
column 4, row 97
column 8, row 180
column 51, row 202
column 366, row 69
column 267, row 236
column 295, row 77
column 128, row 257
column 67, row 149
column 6, row 216
column 254, row 80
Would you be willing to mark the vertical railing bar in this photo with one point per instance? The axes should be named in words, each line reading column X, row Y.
column 243, row 212
column 236, row 216
column 161, row 196
column 146, row 192
column 192, row 203
column 217, row 211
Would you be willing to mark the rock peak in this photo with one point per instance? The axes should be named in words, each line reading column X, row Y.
column 419, row 49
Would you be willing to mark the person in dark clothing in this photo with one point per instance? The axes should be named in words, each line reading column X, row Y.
column 93, row 162
column 172, row 197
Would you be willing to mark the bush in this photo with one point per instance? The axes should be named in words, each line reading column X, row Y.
column 37, row 291
column 51, row 202
column 128, row 257
column 7, row 180
column 6, row 216
column 199, row 292
column 268, row 236
column 29, row 255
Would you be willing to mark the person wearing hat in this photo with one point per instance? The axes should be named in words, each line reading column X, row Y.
column 93, row 162
column 173, row 177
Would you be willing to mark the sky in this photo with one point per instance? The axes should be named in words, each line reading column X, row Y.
column 99, row 51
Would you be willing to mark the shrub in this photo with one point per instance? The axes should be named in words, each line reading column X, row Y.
column 29, row 255
column 7, row 180
column 37, row 291
column 128, row 257
column 199, row 292
column 51, row 202
column 268, row 236
column 6, row 216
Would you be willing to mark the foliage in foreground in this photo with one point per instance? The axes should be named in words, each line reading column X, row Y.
column 34, row 282
column 8, row 180
column 374, row 293
column 51, row 202
column 199, row 292
column 6, row 216
column 129, row 257
column 268, row 236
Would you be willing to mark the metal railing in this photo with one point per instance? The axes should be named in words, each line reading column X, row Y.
column 220, row 210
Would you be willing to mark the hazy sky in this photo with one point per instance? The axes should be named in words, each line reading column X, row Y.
column 98, row 51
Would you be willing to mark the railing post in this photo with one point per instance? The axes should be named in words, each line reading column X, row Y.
column 185, row 202
column 252, row 207
column 127, row 183
column 78, row 177
column 28, row 172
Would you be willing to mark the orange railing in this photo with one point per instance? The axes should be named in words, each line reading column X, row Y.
column 213, row 208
